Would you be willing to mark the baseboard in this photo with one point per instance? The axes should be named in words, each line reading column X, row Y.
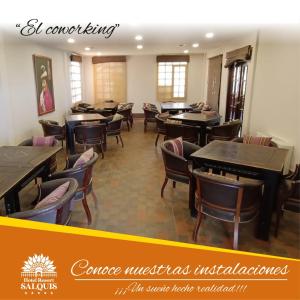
column 138, row 115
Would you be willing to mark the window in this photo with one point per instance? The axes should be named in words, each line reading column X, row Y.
column 110, row 81
column 172, row 78
column 75, row 77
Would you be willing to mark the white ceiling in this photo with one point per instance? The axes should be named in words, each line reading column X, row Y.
column 157, row 39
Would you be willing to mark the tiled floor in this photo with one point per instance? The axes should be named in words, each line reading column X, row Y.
column 128, row 181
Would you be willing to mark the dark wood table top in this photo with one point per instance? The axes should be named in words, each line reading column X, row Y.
column 248, row 155
column 106, row 105
column 196, row 117
column 84, row 117
column 16, row 162
column 175, row 106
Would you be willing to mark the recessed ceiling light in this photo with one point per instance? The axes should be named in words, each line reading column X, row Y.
column 71, row 41
column 138, row 37
column 99, row 53
column 186, row 51
column 87, row 48
column 195, row 45
column 139, row 47
column 209, row 35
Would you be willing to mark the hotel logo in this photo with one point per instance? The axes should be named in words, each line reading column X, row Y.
column 38, row 276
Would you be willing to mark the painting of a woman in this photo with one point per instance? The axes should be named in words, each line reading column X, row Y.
column 44, row 84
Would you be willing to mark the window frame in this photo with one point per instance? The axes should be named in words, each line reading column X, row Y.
column 75, row 101
column 174, row 64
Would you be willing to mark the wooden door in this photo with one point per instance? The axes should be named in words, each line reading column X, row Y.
column 236, row 91
column 214, row 81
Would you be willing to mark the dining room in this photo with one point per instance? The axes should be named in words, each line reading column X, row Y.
column 192, row 138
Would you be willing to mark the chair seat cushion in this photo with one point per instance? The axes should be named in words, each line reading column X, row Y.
column 84, row 158
column 117, row 117
column 257, row 140
column 90, row 123
column 175, row 146
column 43, row 140
column 54, row 196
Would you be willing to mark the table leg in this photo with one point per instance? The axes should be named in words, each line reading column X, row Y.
column 70, row 138
column 12, row 203
column 202, row 135
column 271, row 183
column 192, row 190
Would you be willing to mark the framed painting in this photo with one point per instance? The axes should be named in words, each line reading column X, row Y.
column 44, row 84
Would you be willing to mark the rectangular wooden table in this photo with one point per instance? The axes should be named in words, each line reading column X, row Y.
column 175, row 106
column 253, row 161
column 18, row 166
column 76, row 119
column 198, row 119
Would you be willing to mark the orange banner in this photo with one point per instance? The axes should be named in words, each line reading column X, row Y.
column 43, row 261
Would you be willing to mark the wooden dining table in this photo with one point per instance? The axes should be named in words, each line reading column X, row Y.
column 198, row 119
column 18, row 166
column 73, row 120
column 175, row 106
column 247, row 160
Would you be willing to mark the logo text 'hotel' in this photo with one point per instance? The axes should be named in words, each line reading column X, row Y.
column 38, row 275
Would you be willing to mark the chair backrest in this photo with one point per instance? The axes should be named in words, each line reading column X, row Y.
column 126, row 113
column 90, row 134
column 114, row 126
column 83, row 173
column 149, row 114
column 174, row 162
column 188, row 133
column 225, row 198
column 226, row 131
column 240, row 140
column 160, row 122
column 58, row 212
column 51, row 128
column 29, row 142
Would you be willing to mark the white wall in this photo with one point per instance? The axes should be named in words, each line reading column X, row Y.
column 250, row 39
column 275, row 106
column 142, row 79
column 5, row 112
column 19, row 80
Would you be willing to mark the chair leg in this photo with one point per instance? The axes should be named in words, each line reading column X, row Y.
column 163, row 187
column 174, row 184
column 197, row 226
column 145, row 126
column 128, row 125
column 94, row 198
column 117, row 139
column 87, row 210
column 278, row 216
column 101, row 149
column 236, row 235
column 157, row 137
column 121, row 141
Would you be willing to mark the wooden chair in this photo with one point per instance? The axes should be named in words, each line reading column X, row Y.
column 52, row 128
column 288, row 196
column 179, row 168
column 240, row 140
column 160, row 125
column 91, row 135
column 84, row 176
column 52, row 164
column 113, row 128
column 226, row 200
column 225, row 132
column 58, row 212
column 127, row 116
column 149, row 116
column 187, row 132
